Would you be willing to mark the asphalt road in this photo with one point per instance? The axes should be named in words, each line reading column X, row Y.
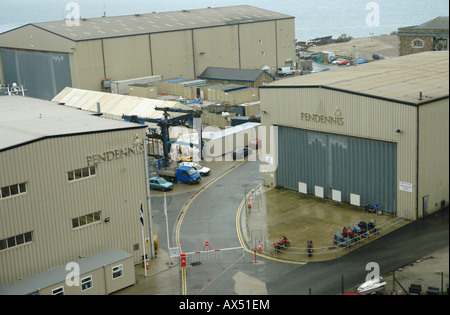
column 211, row 216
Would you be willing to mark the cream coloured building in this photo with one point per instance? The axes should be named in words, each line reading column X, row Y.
column 376, row 133
column 71, row 185
column 171, row 44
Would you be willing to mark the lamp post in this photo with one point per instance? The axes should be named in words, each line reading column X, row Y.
column 147, row 186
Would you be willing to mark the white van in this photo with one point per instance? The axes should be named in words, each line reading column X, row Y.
column 285, row 71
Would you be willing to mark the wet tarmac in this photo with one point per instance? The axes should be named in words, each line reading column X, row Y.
column 272, row 214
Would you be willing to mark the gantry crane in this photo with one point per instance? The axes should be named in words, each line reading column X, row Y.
column 166, row 122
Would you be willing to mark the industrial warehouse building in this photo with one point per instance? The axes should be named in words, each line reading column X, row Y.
column 249, row 77
column 376, row 133
column 71, row 186
column 171, row 44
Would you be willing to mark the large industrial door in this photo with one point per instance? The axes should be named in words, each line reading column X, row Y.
column 350, row 165
column 43, row 74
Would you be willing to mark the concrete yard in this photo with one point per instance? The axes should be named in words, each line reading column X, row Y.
column 278, row 212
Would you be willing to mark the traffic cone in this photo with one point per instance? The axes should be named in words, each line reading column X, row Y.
column 249, row 204
column 147, row 265
column 259, row 246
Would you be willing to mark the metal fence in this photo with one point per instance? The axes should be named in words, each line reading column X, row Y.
column 258, row 240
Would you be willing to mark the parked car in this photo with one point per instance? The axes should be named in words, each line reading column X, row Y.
column 255, row 143
column 202, row 170
column 331, row 59
column 160, row 183
column 336, row 60
column 285, row 71
column 343, row 62
column 377, row 57
column 311, row 55
column 240, row 153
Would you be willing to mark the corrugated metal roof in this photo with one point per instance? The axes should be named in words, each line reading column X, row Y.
column 398, row 79
column 116, row 26
column 231, row 74
column 229, row 87
column 193, row 83
column 25, row 119
column 115, row 105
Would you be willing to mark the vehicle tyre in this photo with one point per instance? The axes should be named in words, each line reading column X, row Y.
column 163, row 189
column 288, row 243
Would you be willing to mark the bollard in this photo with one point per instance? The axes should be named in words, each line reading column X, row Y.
column 183, row 259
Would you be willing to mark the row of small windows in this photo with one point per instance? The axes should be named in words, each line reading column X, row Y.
column 81, row 173
column 16, row 240
column 16, row 189
column 86, row 219
column 28, row 237
column 87, row 283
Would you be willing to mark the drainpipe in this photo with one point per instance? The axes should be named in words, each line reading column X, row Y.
column 417, row 161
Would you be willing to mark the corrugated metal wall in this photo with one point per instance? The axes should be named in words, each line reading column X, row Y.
column 43, row 74
column 51, row 202
column 348, row 164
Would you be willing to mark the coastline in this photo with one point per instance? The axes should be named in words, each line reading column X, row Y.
column 385, row 45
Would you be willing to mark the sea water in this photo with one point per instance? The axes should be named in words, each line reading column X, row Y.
column 356, row 18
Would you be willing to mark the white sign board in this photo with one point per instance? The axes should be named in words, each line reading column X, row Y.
column 336, row 195
column 318, row 191
column 302, row 188
column 404, row 186
column 174, row 252
column 355, row 200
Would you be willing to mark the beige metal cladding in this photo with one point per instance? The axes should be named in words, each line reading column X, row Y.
column 89, row 69
column 172, row 54
column 146, row 91
column 174, row 44
column 52, row 201
column 218, row 46
column 127, row 57
column 433, row 156
column 102, row 280
column 240, row 96
column 355, row 115
column 285, row 42
column 258, row 45
column 31, row 37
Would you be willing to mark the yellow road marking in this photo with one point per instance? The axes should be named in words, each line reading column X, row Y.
column 238, row 226
column 198, row 193
column 180, row 220
column 241, row 240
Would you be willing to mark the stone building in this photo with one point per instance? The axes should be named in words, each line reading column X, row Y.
column 429, row 36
